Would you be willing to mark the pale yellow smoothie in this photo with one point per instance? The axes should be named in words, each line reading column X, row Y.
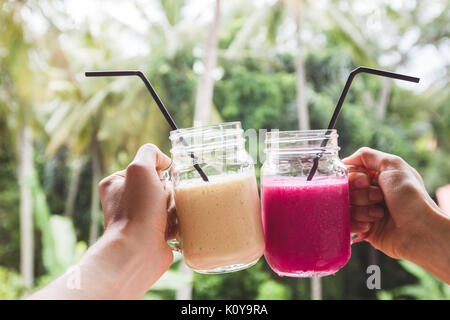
column 220, row 221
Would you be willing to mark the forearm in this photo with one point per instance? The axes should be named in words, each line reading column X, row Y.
column 430, row 248
column 110, row 269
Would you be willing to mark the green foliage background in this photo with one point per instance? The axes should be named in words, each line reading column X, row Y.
column 258, row 88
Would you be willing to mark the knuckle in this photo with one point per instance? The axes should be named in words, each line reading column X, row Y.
column 365, row 150
column 401, row 181
column 408, row 187
column 150, row 146
column 391, row 161
column 104, row 184
column 397, row 160
column 136, row 167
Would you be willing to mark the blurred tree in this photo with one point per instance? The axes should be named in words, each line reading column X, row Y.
column 84, row 117
column 205, row 87
column 427, row 286
column 60, row 249
column 19, row 95
column 11, row 285
column 302, row 105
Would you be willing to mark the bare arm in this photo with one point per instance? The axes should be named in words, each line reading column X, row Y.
column 430, row 245
column 132, row 253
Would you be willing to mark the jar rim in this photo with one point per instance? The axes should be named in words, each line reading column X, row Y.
column 198, row 140
column 297, row 142
column 187, row 132
column 300, row 135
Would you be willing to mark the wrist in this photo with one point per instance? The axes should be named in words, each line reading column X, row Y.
column 137, row 247
column 427, row 244
column 131, row 267
column 142, row 238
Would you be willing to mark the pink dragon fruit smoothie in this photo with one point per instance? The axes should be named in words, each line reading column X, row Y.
column 306, row 225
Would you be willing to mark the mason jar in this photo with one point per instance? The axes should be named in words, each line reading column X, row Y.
column 306, row 223
column 220, row 228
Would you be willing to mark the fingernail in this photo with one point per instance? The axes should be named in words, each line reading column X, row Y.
column 360, row 182
column 364, row 227
column 375, row 195
column 376, row 212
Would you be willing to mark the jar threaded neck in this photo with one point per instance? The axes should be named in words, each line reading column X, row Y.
column 199, row 140
column 301, row 142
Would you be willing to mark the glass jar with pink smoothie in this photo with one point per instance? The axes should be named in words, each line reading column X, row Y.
column 306, row 223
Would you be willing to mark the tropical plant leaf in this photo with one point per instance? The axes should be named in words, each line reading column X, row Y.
column 171, row 280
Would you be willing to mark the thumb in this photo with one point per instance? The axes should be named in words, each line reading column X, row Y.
column 146, row 164
column 372, row 160
column 150, row 156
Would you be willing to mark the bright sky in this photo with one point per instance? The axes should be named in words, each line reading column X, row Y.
column 425, row 62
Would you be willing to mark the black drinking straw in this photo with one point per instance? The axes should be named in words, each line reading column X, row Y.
column 338, row 107
column 158, row 102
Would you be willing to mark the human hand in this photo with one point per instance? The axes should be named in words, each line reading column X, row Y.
column 133, row 253
column 389, row 203
column 366, row 201
column 136, row 204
